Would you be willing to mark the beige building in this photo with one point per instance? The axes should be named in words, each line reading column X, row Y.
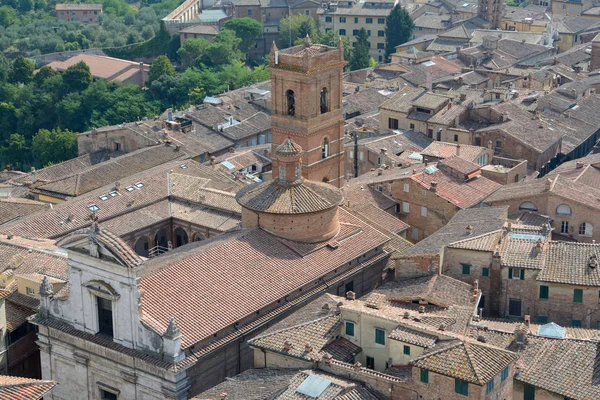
column 346, row 18
column 111, row 69
column 78, row 12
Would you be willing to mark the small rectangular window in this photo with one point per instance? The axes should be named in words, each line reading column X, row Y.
column 249, row 12
column 461, row 387
column 490, row 386
column 412, row 126
column 106, row 395
column 564, row 227
column 542, row 319
column 351, row 154
column 342, row 32
column 381, row 46
column 406, row 350
column 381, row 20
column 370, row 363
column 577, row 296
column 379, row 336
column 504, row 374
column 328, row 19
column 466, row 269
column 544, row 292
column 349, row 328
column 369, row 20
column 407, row 189
column 342, row 19
column 423, row 211
column 405, row 207
column 456, row 138
column 381, row 33
column 392, row 123
column 485, row 271
column 30, row 291
column 355, row 32
column 514, row 307
column 356, row 20
column 368, row 32
column 424, row 375
column 576, row 323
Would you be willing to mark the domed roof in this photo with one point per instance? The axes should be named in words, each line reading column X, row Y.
column 279, row 198
column 288, row 149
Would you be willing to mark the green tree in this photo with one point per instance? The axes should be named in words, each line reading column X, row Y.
column 43, row 74
column 246, row 29
column 53, row 146
column 191, row 50
column 77, row 77
column 398, row 29
column 196, row 95
column 295, row 28
column 5, row 68
column 161, row 66
column 8, row 16
column 223, row 50
column 25, row 6
column 360, row 53
column 17, row 153
column 22, row 70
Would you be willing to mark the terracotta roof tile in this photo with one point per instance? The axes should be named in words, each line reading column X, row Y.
column 571, row 263
column 445, row 150
column 440, row 290
column 413, row 336
column 13, row 387
column 471, row 361
column 16, row 315
column 338, row 389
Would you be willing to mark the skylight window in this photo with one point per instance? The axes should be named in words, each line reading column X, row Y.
column 130, row 188
column 139, row 185
column 114, row 193
column 93, row 208
column 104, row 197
column 183, row 166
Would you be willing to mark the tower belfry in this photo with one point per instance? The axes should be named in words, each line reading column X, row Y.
column 306, row 95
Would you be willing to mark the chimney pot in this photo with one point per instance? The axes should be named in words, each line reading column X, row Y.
column 421, row 309
column 579, row 165
column 433, row 186
column 350, row 295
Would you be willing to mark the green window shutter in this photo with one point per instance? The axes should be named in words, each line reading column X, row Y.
column 485, row 271
column 407, row 350
column 522, row 274
column 577, row 296
column 510, row 273
column 466, row 269
column 379, row 336
column 424, row 376
column 543, row 292
column 576, row 323
column 542, row 319
column 461, row 387
column 350, row 328
column 504, row 374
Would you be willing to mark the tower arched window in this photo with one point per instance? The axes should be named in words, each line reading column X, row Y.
column 325, row 148
column 324, row 103
column 291, row 102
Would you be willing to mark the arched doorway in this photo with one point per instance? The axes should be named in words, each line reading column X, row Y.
column 181, row 237
column 161, row 240
column 142, row 246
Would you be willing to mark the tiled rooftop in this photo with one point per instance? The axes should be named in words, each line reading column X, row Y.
column 13, row 387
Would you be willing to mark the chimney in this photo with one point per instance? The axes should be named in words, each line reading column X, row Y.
column 527, row 321
column 212, row 161
column 538, row 247
column 579, row 165
column 350, row 295
column 307, row 348
column 232, row 149
column 421, row 309
column 520, row 333
column 33, row 175
column 429, row 82
column 593, row 261
column 476, row 285
column 458, row 150
column 469, row 229
column 433, row 186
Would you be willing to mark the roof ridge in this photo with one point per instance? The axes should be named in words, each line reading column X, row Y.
column 475, row 237
column 295, row 326
column 440, row 350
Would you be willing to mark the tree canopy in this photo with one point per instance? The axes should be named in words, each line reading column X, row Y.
column 294, row 28
column 77, row 77
column 360, row 55
column 161, row 66
column 398, row 29
column 246, row 29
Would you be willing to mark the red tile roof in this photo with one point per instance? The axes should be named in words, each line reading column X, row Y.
column 13, row 388
column 236, row 274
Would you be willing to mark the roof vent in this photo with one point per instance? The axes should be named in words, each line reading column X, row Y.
column 406, row 315
column 287, row 345
column 307, row 348
column 579, row 165
column 442, row 327
column 469, row 229
column 593, row 261
column 481, row 339
column 421, row 309
column 350, row 295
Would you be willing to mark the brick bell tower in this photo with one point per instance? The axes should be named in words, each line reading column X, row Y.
column 306, row 95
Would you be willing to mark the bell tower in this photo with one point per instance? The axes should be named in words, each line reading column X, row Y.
column 306, row 95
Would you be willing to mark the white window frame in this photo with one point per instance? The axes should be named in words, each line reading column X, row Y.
column 588, row 229
column 423, row 211
column 564, row 227
column 406, row 207
column 406, row 188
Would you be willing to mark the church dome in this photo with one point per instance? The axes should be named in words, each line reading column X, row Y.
column 288, row 149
